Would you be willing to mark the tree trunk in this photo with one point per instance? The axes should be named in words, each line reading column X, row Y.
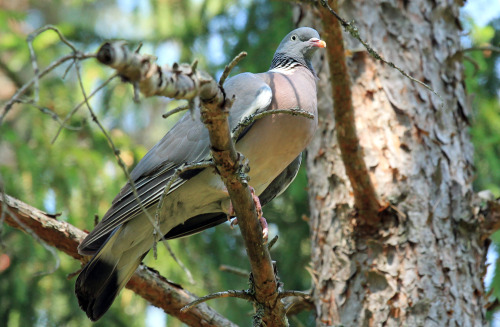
column 423, row 263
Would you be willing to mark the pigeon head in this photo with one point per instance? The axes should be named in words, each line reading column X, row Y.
column 298, row 46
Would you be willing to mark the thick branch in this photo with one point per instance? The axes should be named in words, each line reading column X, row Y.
column 146, row 282
column 365, row 196
column 185, row 82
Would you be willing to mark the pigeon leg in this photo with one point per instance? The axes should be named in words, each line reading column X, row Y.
column 258, row 207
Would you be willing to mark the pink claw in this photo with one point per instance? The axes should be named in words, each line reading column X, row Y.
column 258, row 207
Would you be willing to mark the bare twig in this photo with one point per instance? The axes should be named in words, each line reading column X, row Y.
column 66, row 71
column 39, row 31
column 302, row 294
column 214, row 112
column 232, row 64
column 482, row 48
column 231, row 293
column 35, row 80
column 35, row 67
column 354, row 32
column 73, row 274
column 235, row 270
column 176, row 110
column 116, row 152
column 297, row 304
column 49, row 112
column 34, row 64
column 180, row 263
column 78, row 106
column 136, row 92
column 272, row 242
column 48, row 69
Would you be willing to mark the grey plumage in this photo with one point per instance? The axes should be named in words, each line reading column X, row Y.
column 198, row 200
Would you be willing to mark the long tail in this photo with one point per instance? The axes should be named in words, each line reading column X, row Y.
column 103, row 277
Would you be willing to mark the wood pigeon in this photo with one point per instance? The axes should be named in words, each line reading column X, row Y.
column 198, row 199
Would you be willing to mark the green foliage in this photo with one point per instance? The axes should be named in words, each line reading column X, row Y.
column 483, row 83
column 77, row 174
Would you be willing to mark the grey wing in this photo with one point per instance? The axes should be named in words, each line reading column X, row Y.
column 204, row 221
column 281, row 182
column 186, row 142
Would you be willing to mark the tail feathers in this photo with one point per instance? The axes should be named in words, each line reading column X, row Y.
column 102, row 279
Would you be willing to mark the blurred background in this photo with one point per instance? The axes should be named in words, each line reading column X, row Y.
column 76, row 174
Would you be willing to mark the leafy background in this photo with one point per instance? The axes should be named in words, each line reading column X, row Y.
column 77, row 175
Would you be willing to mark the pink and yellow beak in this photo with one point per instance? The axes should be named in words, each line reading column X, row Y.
column 318, row 43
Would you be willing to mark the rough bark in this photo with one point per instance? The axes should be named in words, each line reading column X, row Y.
column 365, row 197
column 423, row 263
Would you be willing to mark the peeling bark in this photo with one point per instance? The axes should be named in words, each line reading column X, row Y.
column 423, row 264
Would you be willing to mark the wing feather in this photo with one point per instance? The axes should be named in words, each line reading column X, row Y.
column 186, row 142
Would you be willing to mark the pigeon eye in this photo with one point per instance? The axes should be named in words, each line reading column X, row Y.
column 294, row 37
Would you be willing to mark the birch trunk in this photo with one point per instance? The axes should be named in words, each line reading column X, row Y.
column 423, row 264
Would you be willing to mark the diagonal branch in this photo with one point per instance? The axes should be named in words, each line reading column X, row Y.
column 228, row 163
column 231, row 293
column 365, row 196
column 185, row 82
column 146, row 282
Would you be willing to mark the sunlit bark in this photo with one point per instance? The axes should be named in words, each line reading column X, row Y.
column 423, row 262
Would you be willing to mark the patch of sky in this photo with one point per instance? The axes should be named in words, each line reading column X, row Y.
column 168, row 52
column 239, row 16
column 130, row 123
column 491, row 260
column 49, row 202
column 34, row 19
column 110, row 169
column 129, row 6
column 127, row 23
column 155, row 317
column 216, row 49
column 482, row 11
